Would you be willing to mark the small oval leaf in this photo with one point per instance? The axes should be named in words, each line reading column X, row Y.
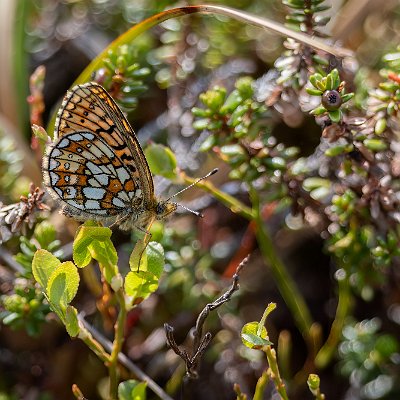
column 63, row 284
column 71, row 321
column 251, row 339
column 43, row 265
column 132, row 390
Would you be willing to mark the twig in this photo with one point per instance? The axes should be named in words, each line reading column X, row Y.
column 9, row 260
column 125, row 361
column 201, row 342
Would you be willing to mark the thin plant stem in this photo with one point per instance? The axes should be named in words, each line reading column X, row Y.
column 93, row 345
column 260, row 386
column 273, row 372
column 327, row 351
column 284, row 281
column 125, row 361
column 117, row 345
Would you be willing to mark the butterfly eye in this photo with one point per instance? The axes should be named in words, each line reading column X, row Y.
column 160, row 208
column 331, row 100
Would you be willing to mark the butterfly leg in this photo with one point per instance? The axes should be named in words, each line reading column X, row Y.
column 119, row 221
column 145, row 241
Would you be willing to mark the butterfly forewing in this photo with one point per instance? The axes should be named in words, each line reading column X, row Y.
column 95, row 165
column 90, row 108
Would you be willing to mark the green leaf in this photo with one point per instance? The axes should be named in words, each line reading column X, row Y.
column 335, row 115
column 314, row 79
column 162, row 160
column 106, row 255
column 136, row 259
column 320, row 60
column 213, row 99
column 85, row 237
column 320, row 193
column 208, row 143
column 231, row 102
column 318, row 110
column 71, row 321
column 251, row 339
column 276, row 163
column 375, row 144
column 45, row 233
column 40, row 132
column 152, row 258
column 337, row 150
column 380, row 126
column 232, row 150
column 140, row 283
column 94, row 242
column 346, row 97
column 132, row 390
column 329, row 82
column 314, row 92
column 200, row 112
column 335, row 78
column 43, row 265
column 315, row 182
column 63, row 284
column 201, row 124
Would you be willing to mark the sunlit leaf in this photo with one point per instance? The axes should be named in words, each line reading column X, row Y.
column 63, row 284
column 132, row 390
column 251, row 339
column 43, row 265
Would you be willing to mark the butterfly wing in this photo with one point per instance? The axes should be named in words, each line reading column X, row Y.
column 90, row 108
column 95, row 164
column 83, row 172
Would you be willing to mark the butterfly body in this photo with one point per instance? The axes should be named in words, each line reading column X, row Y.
column 95, row 166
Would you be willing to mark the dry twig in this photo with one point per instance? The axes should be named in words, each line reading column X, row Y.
column 201, row 342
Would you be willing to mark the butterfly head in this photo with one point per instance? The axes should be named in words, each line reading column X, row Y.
column 164, row 208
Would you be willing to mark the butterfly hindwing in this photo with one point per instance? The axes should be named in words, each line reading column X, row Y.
column 83, row 172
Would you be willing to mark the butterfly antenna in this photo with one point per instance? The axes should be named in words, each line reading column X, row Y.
column 199, row 214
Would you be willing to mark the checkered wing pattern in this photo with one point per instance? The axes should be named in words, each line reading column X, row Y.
column 95, row 166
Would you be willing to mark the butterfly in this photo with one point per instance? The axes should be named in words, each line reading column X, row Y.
column 95, row 166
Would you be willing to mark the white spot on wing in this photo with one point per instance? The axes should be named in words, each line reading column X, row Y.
column 63, row 143
column 103, row 148
column 53, row 164
column 76, row 137
column 56, row 152
column 93, row 168
column 122, row 174
column 54, row 178
column 93, row 182
column 106, row 169
column 123, row 196
column 70, row 192
column 92, row 205
column 103, row 179
column 88, row 135
column 117, row 202
column 94, row 193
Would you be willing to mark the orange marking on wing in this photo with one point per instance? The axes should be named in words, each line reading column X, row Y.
column 129, row 186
